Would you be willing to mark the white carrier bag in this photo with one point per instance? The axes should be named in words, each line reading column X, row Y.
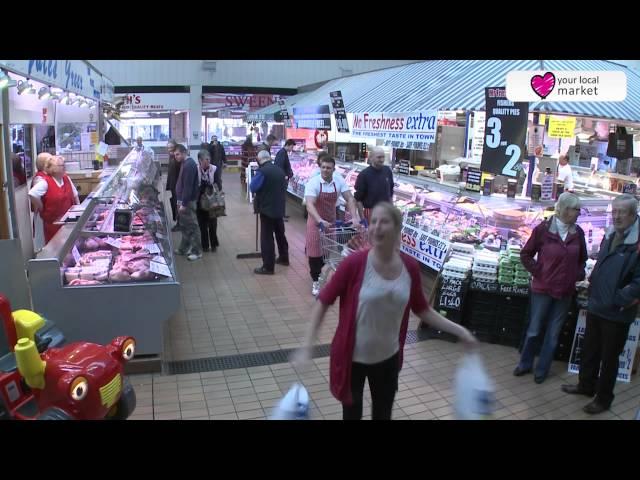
column 294, row 405
column 474, row 390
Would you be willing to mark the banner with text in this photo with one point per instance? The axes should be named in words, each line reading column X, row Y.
column 312, row 118
column 413, row 130
column 505, row 133
column 424, row 247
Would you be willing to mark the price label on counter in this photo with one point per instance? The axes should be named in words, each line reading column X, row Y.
column 114, row 242
column 76, row 254
column 160, row 269
column 152, row 247
column 474, row 176
column 159, row 259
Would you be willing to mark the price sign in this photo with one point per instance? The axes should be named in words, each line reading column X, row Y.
column 152, row 247
column 474, row 175
column 76, row 254
column 159, row 259
column 339, row 112
column 114, row 242
column 160, row 269
column 452, row 291
column 505, row 133
column 404, row 167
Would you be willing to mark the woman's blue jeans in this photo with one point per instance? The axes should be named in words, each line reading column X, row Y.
column 549, row 311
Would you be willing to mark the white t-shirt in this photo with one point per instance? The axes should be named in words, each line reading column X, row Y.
column 381, row 306
column 566, row 175
column 40, row 188
column 312, row 187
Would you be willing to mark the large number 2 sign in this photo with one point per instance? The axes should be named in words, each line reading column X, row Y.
column 494, row 125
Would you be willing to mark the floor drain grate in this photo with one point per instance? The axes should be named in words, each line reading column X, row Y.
column 259, row 359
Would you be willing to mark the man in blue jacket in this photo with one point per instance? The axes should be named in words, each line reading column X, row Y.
column 614, row 293
column 270, row 187
column 188, row 191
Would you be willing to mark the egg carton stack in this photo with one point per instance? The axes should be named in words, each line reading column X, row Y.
column 512, row 272
column 460, row 262
column 485, row 266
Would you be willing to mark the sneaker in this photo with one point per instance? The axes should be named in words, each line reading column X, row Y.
column 315, row 289
column 194, row 256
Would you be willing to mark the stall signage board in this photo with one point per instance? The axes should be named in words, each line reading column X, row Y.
column 75, row 76
column 483, row 286
column 339, row 112
column 312, row 118
column 626, row 357
column 404, row 167
column 536, row 137
column 561, row 127
column 474, row 175
column 452, row 291
column 424, row 247
column 284, row 114
column 505, row 133
column 477, row 136
column 412, row 130
column 156, row 101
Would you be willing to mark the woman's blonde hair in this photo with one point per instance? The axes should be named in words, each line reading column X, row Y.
column 394, row 213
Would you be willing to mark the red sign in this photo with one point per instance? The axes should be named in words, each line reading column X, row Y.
column 44, row 115
column 247, row 102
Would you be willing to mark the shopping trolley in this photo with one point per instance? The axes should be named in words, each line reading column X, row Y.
column 334, row 243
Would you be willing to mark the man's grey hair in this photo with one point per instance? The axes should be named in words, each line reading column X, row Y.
column 567, row 200
column 377, row 149
column 202, row 154
column 263, row 156
column 630, row 202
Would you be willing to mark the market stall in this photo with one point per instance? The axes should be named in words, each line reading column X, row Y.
column 112, row 272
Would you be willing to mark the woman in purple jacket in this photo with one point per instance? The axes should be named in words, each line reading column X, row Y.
column 561, row 256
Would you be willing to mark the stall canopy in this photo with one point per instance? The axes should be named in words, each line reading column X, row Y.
column 351, row 87
column 460, row 85
column 268, row 113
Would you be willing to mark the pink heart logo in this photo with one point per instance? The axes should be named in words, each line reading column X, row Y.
column 543, row 85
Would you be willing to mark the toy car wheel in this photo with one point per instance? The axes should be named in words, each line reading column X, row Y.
column 126, row 404
column 54, row 414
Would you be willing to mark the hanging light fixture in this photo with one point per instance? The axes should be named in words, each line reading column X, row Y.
column 66, row 99
column 6, row 80
column 25, row 87
column 44, row 93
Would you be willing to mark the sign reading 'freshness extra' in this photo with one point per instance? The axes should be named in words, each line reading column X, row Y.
column 424, row 247
column 414, row 130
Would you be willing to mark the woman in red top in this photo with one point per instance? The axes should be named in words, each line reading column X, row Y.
column 53, row 196
column 377, row 288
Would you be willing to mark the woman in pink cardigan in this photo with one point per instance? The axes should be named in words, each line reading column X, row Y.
column 377, row 288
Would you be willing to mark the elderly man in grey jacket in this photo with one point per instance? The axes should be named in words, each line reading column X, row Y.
column 614, row 294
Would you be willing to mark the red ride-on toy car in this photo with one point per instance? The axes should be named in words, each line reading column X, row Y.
column 78, row 381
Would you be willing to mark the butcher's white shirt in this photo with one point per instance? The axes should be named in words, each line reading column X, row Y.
column 40, row 188
column 566, row 175
column 312, row 187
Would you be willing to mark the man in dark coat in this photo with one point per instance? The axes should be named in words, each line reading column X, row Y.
column 270, row 186
column 282, row 161
column 614, row 294
column 173, row 171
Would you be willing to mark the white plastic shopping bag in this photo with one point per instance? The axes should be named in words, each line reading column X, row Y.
column 294, row 405
column 474, row 390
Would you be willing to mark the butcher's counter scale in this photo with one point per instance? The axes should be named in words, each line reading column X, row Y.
column 103, row 311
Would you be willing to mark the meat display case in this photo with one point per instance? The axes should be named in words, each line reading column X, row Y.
column 445, row 212
column 112, row 272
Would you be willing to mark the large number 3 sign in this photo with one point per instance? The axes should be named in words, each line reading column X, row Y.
column 492, row 140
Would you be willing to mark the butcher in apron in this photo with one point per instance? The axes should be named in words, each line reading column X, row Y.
column 321, row 195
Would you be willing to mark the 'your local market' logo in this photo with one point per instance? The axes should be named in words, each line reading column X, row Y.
column 566, row 86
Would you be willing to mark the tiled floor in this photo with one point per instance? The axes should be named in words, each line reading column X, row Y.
column 228, row 310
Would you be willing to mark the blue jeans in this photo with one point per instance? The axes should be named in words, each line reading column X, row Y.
column 549, row 311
